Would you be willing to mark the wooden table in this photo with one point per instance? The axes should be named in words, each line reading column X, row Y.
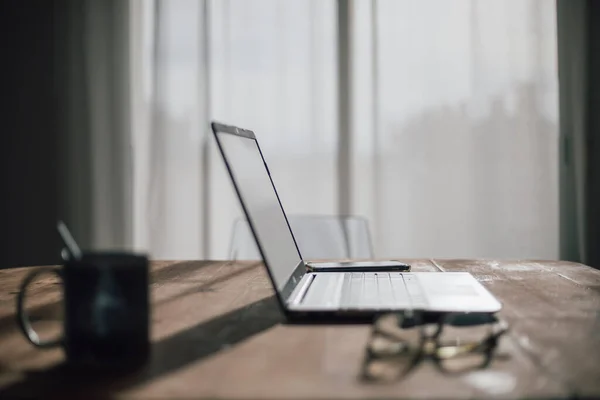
column 218, row 333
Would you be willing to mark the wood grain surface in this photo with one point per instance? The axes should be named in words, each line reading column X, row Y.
column 218, row 332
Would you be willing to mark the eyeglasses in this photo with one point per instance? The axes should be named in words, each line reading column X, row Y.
column 456, row 342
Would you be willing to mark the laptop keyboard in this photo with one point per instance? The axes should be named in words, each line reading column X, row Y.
column 417, row 297
column 381, row 289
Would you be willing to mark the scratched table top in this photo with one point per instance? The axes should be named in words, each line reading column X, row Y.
column 218, row 332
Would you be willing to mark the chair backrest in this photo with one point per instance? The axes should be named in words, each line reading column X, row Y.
column 319, row 237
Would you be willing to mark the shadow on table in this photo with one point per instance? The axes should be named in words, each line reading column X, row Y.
column 168, row 355
column 175, row 270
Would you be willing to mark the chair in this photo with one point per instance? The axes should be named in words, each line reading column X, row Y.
column 319, row 237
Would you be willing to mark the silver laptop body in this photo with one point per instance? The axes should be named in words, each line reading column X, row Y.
column 301, row 291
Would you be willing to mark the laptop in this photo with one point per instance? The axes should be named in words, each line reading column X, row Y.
column 307, row 292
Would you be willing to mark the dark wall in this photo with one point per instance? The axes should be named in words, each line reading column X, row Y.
column 29, row 134
column 579, row 100
column 593, row 134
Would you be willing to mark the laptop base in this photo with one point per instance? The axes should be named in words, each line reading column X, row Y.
column 380, row 292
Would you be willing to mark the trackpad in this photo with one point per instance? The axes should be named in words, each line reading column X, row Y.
column 455, row 291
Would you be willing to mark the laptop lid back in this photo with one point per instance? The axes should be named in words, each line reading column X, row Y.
column 259, row 200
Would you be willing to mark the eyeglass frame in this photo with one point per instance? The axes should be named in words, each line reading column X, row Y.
column 429, row 345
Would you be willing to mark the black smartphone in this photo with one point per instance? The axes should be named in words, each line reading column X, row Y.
column 359, row 266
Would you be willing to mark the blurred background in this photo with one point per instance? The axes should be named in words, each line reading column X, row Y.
column 460, row 128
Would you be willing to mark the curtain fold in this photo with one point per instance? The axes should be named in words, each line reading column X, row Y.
column 92, row 60
column 170, row 132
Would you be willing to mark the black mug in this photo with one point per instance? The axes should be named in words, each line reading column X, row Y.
column 106, row 310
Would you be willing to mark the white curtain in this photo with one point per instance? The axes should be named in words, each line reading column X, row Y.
column 456, row 127
column 266, row 65
column 453, row 125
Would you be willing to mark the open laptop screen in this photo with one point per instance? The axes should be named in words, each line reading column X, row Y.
column 257, row 193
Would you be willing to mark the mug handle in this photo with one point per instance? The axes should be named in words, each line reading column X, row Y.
column 23, row 316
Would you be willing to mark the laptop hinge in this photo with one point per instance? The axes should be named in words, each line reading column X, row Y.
column 293, row 281
column 301, row 291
